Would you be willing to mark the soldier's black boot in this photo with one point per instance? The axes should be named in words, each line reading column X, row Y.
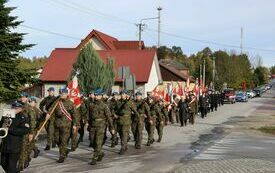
column 138, row 146
column 99, row 159
column 61, row 160
column 91, row 145
column 122, row 151
column 36, row 153
column 48, row 147
column 148, row 143
column 159, row 140
column 53, row 145
column 93, row 162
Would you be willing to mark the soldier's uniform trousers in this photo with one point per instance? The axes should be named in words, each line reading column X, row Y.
column 114, row 136
column 97, row 133
column 150, row 128
column 137, row 128
column 24, row 151
column 62, row 133
column 159, row 127
column 123, row 128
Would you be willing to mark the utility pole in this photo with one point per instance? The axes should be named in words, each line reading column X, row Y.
column 141, row 25
column 204, row 73
column 241, row 46
column 213, row 74
column 159, row 9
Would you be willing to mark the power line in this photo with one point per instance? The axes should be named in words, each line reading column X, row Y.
column 90, row 11
column 49, row 32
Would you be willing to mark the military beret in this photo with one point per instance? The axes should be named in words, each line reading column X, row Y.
column 63, row 91
column 115, row 93
column 24, row 94
column 124, row 92
column 138, row 94
column 16, row 104
column 99, row 91
column 32, row 99
column 51, row 89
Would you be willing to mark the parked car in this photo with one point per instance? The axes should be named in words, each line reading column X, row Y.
column 241, row 97
column 250, row 93
column 259, row 91
column 229, row 95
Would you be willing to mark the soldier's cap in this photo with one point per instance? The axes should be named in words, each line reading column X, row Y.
column 138, row 94
column 124, row 92
column 63, row 91
column 99, row 91
column 115, row 93
column 16, row 104
column 24, row 94
column 51, row 89
column 32, row 99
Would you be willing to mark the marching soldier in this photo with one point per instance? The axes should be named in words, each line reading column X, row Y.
column 125, row 110
column 161, row 116
column 150, row 126
column 44, row 106
column 203, row 101
column 83, row 111
column 138, row 121
column 113, row 105
column 63, row 118
column 193, row 108
column 24, row 158
column 89, row 101
column 99, row 118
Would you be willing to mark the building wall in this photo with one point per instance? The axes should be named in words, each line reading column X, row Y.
column 96, row 44
column 154, row 77
column 56, row 86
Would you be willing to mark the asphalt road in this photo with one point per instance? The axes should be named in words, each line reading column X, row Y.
column 181, row 146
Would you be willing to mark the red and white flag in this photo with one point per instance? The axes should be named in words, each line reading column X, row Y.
column 74, row 91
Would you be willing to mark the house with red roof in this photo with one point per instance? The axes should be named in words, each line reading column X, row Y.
column 143, row 63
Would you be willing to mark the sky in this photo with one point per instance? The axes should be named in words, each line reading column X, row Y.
column 191, row 22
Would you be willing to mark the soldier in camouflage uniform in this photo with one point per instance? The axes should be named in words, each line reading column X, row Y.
column 193, row 108
column 138, row 122
column 34, row 121
column 89, row 101
column 83, row 111
column 125, row 111
column 44, row 106
column 113, row 105
column 74, row 133
column 151, row 125
column 24, row 159
column 161, row 117
column 99, row 118
column 63, row 118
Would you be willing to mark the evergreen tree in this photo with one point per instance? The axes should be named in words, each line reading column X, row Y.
column 93, row 73
column 11, row 77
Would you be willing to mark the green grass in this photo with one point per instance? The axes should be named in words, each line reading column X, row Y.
column 268, row 129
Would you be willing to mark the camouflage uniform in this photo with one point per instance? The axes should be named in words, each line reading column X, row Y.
column 34, row 120
column 62, row 125
column 113, row 105
column 126, row 107
column 44, row 106
column 24, row 157
column 138, row 122
column 83, row 119
column 154, row 111
column 99, row 118
column 161, row 117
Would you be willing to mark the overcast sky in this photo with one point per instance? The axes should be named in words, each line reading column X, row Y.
column 212, row 20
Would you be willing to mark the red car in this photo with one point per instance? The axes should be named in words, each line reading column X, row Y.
column 229, row 95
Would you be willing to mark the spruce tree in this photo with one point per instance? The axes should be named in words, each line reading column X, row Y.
column 11, row 77
column 92, row 72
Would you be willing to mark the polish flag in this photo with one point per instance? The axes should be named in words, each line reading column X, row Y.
column 74, row 91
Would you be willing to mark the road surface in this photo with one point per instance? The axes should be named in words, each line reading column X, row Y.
column 214, row 143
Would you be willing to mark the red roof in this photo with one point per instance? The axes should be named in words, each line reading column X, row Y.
column 103, row 38
column 59, row 66
column 128, row 44
column 139, row 61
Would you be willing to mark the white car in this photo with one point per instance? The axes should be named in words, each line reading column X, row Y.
column 250, row 94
